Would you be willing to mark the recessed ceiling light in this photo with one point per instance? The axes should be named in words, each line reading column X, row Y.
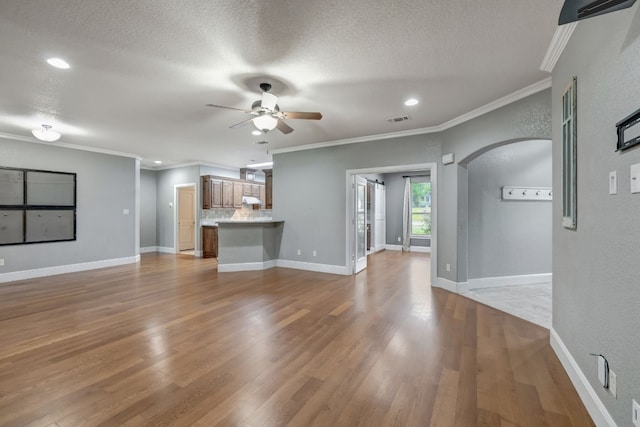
column 411, row 102
column 157, row 162
column 256, row 132
column 58, row 63
column 260, row 165
column 46, row 134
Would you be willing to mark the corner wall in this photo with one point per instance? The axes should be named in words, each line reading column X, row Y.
column 596, row 274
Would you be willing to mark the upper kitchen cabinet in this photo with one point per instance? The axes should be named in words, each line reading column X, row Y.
column 211, row 192
column 238, row 192
column 268, row 184
column 227, row 194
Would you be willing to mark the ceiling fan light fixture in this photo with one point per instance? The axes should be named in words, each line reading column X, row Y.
column 256, row 132
column 411, row 102
column 265, row 122
column 46, row 134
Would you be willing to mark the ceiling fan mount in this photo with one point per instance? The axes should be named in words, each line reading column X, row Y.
column 267, row 115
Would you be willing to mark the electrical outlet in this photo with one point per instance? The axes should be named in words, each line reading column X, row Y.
column 315, row 253
column 635, row 413
column 299, row 252
column 399, row 240
column 448, row 267
column 1, row 262
column 613, row 383
column 125, row 211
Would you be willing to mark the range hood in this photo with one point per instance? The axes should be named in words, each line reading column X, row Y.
column 577, row 10
column 249, row 200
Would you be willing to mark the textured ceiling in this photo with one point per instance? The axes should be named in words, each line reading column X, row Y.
column 141, row 72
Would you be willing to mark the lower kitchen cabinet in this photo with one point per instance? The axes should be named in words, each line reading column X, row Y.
column 209, row 241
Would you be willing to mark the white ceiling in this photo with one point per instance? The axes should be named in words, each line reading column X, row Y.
column 141, row 72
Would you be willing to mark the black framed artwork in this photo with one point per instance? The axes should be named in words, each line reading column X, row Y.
column 36, row 206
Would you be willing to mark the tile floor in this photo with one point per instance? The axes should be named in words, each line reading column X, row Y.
column 529, row 302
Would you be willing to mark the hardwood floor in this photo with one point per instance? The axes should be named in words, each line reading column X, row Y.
column 172, row 342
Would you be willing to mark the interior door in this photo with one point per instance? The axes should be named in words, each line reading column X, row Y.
column 360, row 224
column 186, row 219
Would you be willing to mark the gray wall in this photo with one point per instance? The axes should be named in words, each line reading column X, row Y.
column 148, row 190
column 394, row 185
column 309, row 189
column 167, row 180
column 529, row 118
column 509, row 238
column 595, row 268
column 105, row 186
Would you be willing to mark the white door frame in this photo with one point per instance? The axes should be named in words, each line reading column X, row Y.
column 350, row 198
column 176, row 207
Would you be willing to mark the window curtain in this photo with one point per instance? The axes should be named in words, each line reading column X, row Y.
column 406, row 216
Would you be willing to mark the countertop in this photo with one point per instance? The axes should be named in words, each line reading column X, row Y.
column 239, row 221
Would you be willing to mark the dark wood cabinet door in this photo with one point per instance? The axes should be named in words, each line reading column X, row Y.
column 209, row 242
column 216, row 193
column 268, row 198
column 238, row 192
column 227, row 194
column 206, row 192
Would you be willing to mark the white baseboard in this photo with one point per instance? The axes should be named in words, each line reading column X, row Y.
column 311, row 266
column 148, row 249
column 62, row 269
column 525, row 279
column 165, row 250
column 246, row 266
column 197, row 254
column 592, row 402
column 426, row 249
column 450, row 285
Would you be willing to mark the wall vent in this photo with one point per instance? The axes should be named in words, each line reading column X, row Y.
column 398, row 119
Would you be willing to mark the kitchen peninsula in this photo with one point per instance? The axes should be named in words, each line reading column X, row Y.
column 250, row 244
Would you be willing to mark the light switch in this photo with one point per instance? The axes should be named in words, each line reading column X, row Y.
column 635, row 178
column 613, row 182
column 125, row 211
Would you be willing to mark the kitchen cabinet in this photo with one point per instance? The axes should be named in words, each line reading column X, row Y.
column 238, row 192
column 211, row 192
column 227, row 194
column 209, row 241
column 218, row 192
column 268, row 187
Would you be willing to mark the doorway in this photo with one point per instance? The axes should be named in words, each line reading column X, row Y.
column 185, row 221
column 354, row 180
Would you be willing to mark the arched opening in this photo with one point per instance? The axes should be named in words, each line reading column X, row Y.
column 508, row 238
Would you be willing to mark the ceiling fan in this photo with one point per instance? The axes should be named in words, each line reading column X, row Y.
column 267, row 115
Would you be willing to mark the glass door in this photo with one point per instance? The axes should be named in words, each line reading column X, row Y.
column 360, row 224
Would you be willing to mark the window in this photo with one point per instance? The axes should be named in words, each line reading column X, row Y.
column 569, row 161
column 420, row 207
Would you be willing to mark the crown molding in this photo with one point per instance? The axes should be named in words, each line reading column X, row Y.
column 494, row 105
column 558, row 43
column 70, row 146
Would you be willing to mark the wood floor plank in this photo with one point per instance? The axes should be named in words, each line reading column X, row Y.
column 170, row 341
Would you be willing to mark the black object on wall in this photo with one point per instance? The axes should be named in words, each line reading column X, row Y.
column 36, row 206
column 631, row 125
column 577, row 10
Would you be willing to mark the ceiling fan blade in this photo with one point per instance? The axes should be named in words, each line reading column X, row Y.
column 302, row 115
column 283, row 127
column 269, row 101
column 228, row 108
column 242, row 123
